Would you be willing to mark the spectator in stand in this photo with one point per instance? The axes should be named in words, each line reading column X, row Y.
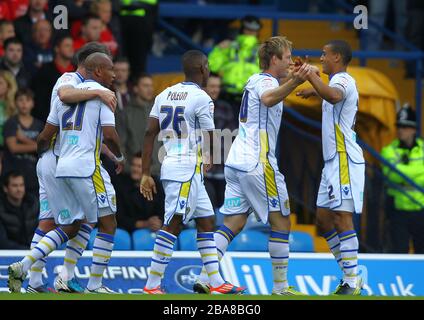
column 224, row 119
column 134, row 211
column 122, row 73
column 36, row 11
column 7, row 30
column 415, row 32
column 20, row 140
column 18, row 213
column 138, row 18
column 7, row 100
column 135, row 116
column 45, row 79
column 103, row 10
column 13, row 9
column 378, row 13
column 39, row 51
column 90, row 31
column 12, row 62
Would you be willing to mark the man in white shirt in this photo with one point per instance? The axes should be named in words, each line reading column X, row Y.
column 183, row 114
column 343, row 177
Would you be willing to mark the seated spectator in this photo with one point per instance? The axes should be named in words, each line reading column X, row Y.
column 45, row 79
column 102, row 9
column 37, row 11
column 135, row 119
column 224, row 119
column 6, row 31
column 18, row 213
column 122, row 73
column 90, row 31
column 7, row 100
column 39, row 51
column 12, row 61
column 134, row 211
column 20, row 135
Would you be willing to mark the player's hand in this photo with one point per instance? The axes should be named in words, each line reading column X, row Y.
column 314, row 69
column 300, row 76
column 119, row 167
column 109, row 98
column 147, row 187
column 306, row 93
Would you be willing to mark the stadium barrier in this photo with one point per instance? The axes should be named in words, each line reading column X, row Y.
column 312, row 274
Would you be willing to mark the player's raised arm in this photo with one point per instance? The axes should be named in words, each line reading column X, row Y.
column 273, row 96
column 69, row 94
column 330, row 94
column 147, row 184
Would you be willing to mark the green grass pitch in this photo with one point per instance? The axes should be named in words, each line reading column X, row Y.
column 180, row 297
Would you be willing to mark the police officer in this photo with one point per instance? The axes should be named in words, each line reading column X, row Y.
column 406, row 153
column 235, row 61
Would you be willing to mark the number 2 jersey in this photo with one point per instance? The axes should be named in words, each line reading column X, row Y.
column 80, row 133
column 183, row 111
column 258, row 126
column 338, row 120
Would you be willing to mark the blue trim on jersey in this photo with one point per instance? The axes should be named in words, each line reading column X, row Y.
column 189, row 83
column 332, row 75
column 80, row 76
column 269, row 75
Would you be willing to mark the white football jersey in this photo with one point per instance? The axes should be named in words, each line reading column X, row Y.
column 258, row 126
column 338, row 120
column 80, row 133
column 183, row 111
column 67, row 79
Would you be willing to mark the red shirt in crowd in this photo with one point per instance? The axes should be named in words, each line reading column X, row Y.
column 12, row 9
column 106, row 37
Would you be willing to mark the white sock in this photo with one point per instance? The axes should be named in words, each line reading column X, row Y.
column 36, row 271
column 162, row 253
column 349, row 246
column 208, row 252
column 74, row 250
column 278, row 246
column 334, row 244
column 223, row 236
column 50, row 242
column 102, row 250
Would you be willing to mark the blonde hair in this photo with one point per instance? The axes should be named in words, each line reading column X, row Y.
column 11, row 91
column 274, row 46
